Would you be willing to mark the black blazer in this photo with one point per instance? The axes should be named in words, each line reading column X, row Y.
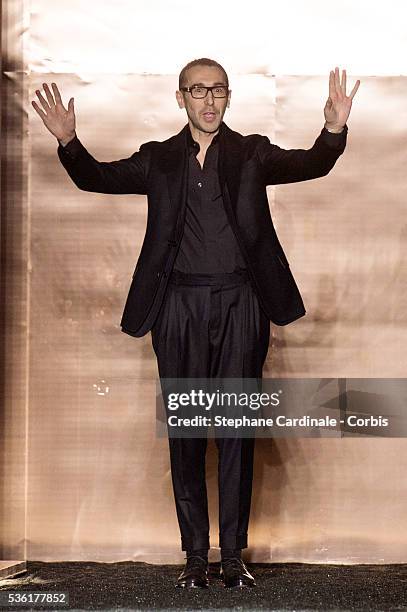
column 247, row 164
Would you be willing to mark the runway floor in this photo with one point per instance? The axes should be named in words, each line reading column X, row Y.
column 290, row 586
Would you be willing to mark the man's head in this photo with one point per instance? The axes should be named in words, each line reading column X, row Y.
column 204, row 113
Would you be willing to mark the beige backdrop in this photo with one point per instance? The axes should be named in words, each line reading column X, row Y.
column 84, row 476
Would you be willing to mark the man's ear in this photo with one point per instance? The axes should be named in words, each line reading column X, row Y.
column 229, row 96
column 180, row 99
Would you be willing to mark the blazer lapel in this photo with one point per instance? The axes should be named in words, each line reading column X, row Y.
column 230, row 163
column 173, row 163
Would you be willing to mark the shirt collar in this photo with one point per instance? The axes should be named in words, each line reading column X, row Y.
column 193, row 146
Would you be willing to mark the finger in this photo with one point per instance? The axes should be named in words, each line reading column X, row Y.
column 41, row 98
column 70, row 105
column 354, row 90
column 48, row 94
column 343, row 82
column 57, row 95
column 39, row 111
column 331, row 84
column 337, row 83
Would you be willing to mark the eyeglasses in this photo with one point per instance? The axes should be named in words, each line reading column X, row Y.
column 198, row 91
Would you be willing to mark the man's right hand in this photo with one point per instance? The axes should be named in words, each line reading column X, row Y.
column 56, row 118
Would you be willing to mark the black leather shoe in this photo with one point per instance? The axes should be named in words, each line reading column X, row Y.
column 234, row 573
column 194, row 574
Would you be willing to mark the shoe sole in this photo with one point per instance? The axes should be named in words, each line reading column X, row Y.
column 191, row 586
column 241, row 585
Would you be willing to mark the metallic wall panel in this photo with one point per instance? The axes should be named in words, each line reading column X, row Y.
column 14, row 286
column 93, row 480
column 297, row 37
column 344, row 236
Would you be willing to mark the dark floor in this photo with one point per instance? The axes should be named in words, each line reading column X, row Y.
column 289, row 586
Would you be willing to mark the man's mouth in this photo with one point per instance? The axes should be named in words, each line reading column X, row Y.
column 209, row 116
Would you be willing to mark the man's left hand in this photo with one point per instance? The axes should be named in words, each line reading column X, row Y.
column 338, row 105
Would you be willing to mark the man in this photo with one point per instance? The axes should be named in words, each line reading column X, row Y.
column 211, row 272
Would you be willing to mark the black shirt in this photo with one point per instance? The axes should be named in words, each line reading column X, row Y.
column 208, row 243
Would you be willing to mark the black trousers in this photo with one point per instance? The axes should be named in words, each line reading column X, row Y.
column 211, row 326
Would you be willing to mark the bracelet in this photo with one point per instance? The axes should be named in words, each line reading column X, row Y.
column 333, row 131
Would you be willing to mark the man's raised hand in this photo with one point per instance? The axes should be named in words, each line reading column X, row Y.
column 59, row 120
column 338, row 105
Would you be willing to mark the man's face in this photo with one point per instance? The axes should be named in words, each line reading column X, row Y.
column 205, row 114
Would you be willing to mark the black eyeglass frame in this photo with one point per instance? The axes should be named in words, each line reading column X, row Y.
column 189, row 90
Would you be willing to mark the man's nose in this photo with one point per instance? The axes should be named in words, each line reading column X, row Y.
column 209, row 97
